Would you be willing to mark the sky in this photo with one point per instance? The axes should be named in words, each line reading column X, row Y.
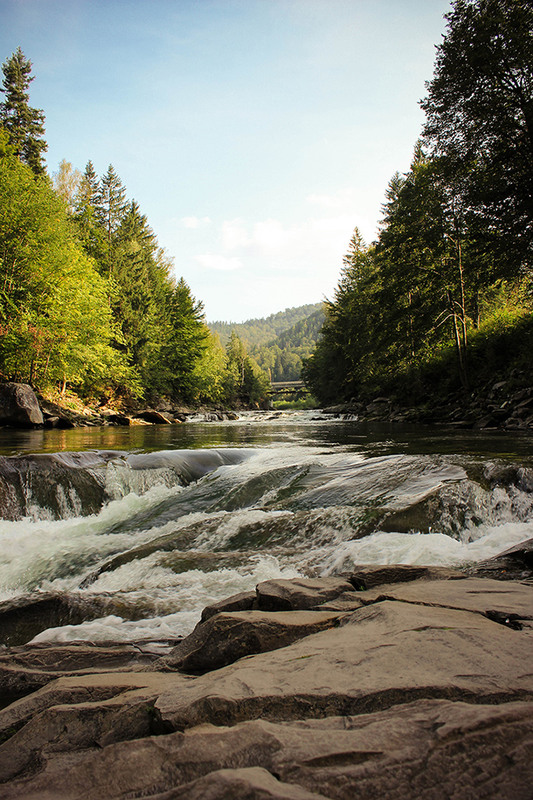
column 254, row 134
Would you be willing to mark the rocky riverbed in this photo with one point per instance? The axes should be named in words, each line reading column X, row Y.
column 499, row 406
column 393, row 682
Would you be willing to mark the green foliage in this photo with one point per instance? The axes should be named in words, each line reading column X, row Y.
column 54, row 310
column 244, row 381
column 480, row 119
column 450, row 273
column 24, row 125
column 87, row 298
column 257, row 332
column 282, row 359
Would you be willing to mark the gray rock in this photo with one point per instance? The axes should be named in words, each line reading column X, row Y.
column 243, row 601
column 228, row 636
column 299, row 593
column 19, row 405
column 469, row 594
column 420, row 695
column 239, row 784
column 366, row 577
column 156, row 417
column 26, row 669
column 430, row 749
column 513, row 564
column 382, row 654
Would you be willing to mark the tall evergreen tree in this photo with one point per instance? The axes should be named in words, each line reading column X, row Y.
column 111, row 207
column 479, row 112
column 90, row 231
column 24, row 124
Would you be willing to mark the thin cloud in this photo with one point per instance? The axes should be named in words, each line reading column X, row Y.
column 195, row 222
column 218, row 261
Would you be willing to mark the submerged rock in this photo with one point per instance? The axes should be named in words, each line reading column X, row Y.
column 27, row 615
column 19, row 405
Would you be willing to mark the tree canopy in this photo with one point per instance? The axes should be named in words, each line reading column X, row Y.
column 454, row 256
column 24, row 124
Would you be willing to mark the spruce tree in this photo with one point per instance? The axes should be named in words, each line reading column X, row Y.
column 111, row 208
column 24, row 125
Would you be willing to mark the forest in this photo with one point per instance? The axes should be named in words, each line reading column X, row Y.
column 441, row 303
column 88, row 300
column 281, row 342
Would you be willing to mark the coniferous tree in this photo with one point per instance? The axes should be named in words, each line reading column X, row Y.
column 110, row 208
column 24, row 124
column 479, row 112
column 90, row 231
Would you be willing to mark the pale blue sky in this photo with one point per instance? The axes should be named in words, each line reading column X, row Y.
column 255, row 134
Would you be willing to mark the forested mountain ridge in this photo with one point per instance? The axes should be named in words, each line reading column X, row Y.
column 280, row 342
column 264, row 330
column 283, row 358
column 441, row 305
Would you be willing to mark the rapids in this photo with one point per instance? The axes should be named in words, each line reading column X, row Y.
column 148, row 525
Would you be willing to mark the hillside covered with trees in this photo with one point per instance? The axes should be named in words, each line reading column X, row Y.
column 442, row 302
column 88, row 299
column 281, row 342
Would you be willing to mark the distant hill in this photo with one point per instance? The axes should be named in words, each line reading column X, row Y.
column 280, row 342
column 256, row 332
column 282, row 358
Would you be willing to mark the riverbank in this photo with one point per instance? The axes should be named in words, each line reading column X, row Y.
column 21, row 407
column 389, row 681
column 498, row 407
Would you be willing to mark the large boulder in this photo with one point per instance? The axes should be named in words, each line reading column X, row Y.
column 19, row 406
column 243, row 601
column 299, row 593
column 228, row 636
column 513, row 564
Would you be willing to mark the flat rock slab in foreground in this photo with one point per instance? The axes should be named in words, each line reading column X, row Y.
column 228, row 636
column 418, row 694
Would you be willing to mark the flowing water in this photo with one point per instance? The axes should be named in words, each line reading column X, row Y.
column 144, row 526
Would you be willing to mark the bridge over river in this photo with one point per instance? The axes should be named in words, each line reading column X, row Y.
column 293, row 388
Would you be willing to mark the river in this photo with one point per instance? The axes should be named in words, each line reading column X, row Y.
column 147, row 525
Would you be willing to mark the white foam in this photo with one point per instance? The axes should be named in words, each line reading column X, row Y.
column 426, row 548
column 188, row 592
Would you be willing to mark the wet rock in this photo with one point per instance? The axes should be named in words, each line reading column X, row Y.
column 243, row 601
column 367, row 577
column 118, row 419
column 26, row 669
column 156, row 417
column 228, row 636
column 27, row 615
column 513, row 564
column 55, row 486
column 299, row 593
column 19, row 406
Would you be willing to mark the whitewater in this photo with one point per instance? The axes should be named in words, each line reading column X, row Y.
column 145, row 527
